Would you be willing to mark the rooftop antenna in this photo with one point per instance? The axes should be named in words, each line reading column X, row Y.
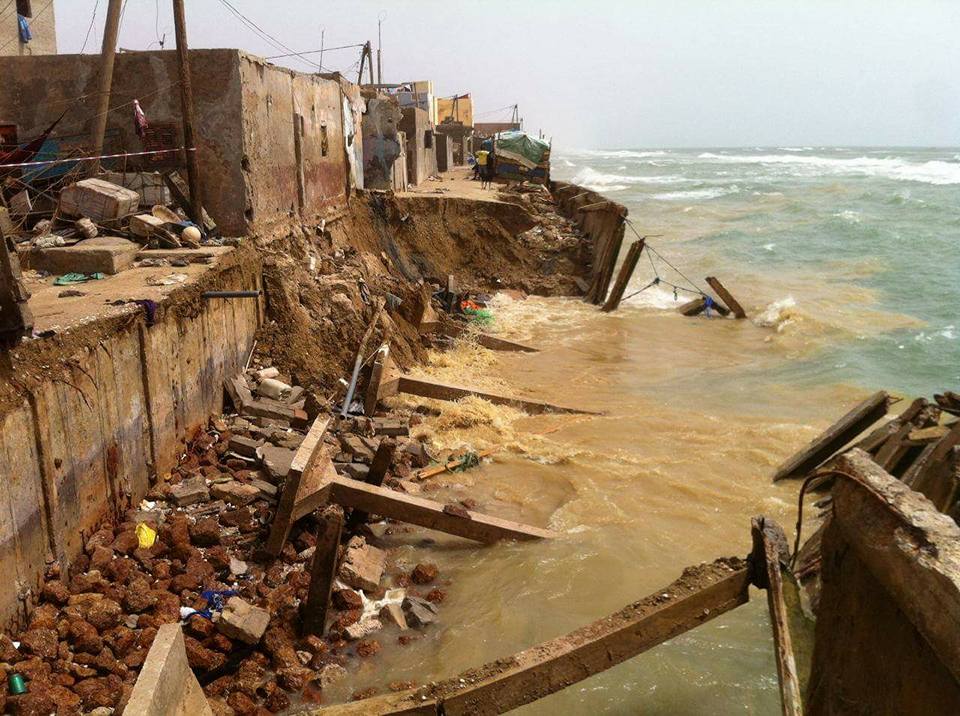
column 323, row 31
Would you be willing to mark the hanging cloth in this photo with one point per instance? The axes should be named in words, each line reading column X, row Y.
column 139, row 120
column 25, row 34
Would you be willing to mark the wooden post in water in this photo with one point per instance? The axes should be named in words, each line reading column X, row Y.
column 726, row 297
column 626, row 271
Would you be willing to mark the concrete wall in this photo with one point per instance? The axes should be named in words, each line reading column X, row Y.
column 84, row 442
column 381, row 146
column 43, row 27
column 459, row 110
column 260, row 128
column 421, row 159
column 444, row 147
column 36, row 90
column 399, row 180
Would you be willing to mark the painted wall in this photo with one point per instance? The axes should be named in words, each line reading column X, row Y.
column 43, row 27
column 459, row 110
column 421, row 159
column 381, row 145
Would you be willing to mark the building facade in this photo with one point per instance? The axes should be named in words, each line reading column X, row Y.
column 421, row 144
column 38, row 23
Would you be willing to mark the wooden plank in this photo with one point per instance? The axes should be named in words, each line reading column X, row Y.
column 726, row 297
column 448, row 467
column 932, row 466
column 306, row 476
column 770, row 556
column 427, row 513
column 323, row 570
column 440, row 391
column 382, row 459
column 694, row 307
column 494, row 343
column 875, row 440
column 835, row 437
column 911, row 549
column 384, row 379
column 623, row 278
column 701, row 594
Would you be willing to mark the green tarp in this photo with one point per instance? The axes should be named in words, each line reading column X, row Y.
column 521, row 147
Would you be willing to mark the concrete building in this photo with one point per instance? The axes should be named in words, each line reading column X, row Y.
column 457, row 109
column 274, row 145
column 382, row 143
column 40, row 18
column 417, row 94
column 421, row 144
column 444, row 144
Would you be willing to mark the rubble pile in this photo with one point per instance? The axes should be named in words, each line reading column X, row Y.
column 191, row 553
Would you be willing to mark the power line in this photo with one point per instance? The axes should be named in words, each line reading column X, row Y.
column 314, row 52
column 93, row 19
column 265, row 35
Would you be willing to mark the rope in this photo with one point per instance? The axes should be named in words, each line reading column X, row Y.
column 658, row 279
column 90, row 159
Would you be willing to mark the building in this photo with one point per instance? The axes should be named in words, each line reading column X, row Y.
column 421, row 144
column 457, row 109
column 41, row 24
column 274, row 145
column 417, row 94
column 444, row 143
column 383, row 143
column 488, row 129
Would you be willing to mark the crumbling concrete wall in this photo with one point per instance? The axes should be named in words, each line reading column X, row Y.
column 381, row 145
column 116, row 405
column 256, row 171
column 886, row 634
column 36, row 90
column 421, row 145
column 43, row 28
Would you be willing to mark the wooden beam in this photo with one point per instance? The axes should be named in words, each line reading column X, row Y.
column 769, row 558
column 693, row 308
column 910, row 548
column 382, row 459
column 384, row 379
column 427, row 513
column 323, row 569
column 448, row 467
column 440, row 391
column 623, row 278
column 494, row 343
column 701, row 594
column 835, row 437
column 726, row 297
column 308, row 474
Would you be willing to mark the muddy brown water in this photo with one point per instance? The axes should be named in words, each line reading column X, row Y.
column 669, row 477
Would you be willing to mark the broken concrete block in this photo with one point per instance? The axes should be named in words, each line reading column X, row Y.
column 358, row 448
column 86, row 227
column 244, row 446
column 104, row 254
column 266, row 489
column 143, row 225
column 276, row 460
column 354, row 470
column 190, row 492
column 242, row 621
column 393, row 614
column 265, row 373
column 234, row 492
column 98, row 200
column 390, row 427
column 363, row 565
column 362, row 629
column 149, row 185
column 273, row 388
column 419, row 612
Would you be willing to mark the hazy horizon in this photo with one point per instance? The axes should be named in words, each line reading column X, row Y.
column 679, row 74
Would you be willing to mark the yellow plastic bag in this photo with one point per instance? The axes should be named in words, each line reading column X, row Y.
column 147, row 535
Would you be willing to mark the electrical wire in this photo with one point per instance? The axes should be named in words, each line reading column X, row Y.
column 314, row 52
column 263, row 34
column 93, row 19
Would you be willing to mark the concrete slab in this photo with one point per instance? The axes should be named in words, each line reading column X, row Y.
column 166, row 685
column 103, row 254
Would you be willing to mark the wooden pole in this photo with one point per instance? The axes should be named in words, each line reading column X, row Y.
column 726, row 297
column 626, row 271
column 323, row 569
column 108, row 52
column 186, row 105
column 769, row 551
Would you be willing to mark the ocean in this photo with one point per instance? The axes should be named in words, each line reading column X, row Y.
column 846, row 261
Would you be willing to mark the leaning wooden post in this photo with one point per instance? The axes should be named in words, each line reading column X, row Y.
column 382, row 460
column 186, row 108
column 322, row 572
column 726, row 297
column 108, row 52
column 626, row 271
column 769, row 549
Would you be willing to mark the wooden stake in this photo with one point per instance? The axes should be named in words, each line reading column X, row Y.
column 323, row 569
column 835, row 437
column 186, row 109
column 769, row 552
column 378, row 472
column 726, row 297
column 626, row 271
column 108, row 51
column 702, row 594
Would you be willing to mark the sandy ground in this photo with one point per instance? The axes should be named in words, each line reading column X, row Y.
column 50, row 312
column 456, row 183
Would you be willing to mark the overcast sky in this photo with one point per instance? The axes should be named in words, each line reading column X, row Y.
column 621, row 73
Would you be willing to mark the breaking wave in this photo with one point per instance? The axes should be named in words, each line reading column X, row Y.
column 622, row 153
column 599, row 181
column 694, row 194
column 778, row 315
column 931, row 172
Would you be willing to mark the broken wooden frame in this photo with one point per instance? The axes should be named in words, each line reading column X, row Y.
column 623, row 278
